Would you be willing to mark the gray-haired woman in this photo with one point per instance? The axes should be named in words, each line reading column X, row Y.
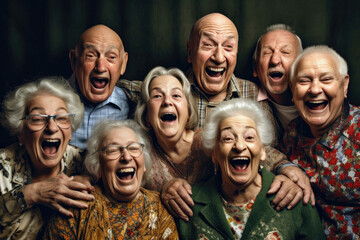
column 234, row 204
column 118, row 154
column 42, row 115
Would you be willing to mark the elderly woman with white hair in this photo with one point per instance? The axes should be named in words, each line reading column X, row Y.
column 234, row 203
column 325, row 139
column 117, row 156
column 34, row 172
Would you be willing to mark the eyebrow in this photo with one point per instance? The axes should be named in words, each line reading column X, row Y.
column 228, row 37
column 109, row 48
column 42, row 109
column 159, row 89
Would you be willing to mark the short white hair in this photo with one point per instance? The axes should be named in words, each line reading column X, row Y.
column 15, row 103
column 271, row 28
column 242, row 106
column 340, row 62
column 101, row 129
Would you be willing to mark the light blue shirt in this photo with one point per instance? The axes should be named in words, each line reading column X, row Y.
column 115, row 108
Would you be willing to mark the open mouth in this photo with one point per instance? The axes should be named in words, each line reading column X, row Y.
column 126, row 173
column 168, row 117
column 240, row 163
column 99, row 82
column 316, row 105
column 215, row 72
column 50, row 146
column 276, row 75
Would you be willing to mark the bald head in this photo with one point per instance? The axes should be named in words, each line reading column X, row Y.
column 212, row 51
column 98, row 61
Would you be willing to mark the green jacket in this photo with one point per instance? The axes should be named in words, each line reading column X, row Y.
column 209, row 222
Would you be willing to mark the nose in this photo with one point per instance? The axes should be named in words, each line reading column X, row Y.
column 239, row 145
column 125, row 155
column 315, row 87
column 100, row 65
column 167, row 101
column 275, row 58
column 52, row 126
column 219, row 55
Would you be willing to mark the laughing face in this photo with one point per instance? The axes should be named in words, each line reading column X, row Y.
column 238, row 152
column 319, row 91
column 278, row 50
column 213, row 53
column 167, row 108
column 121, row 177
column 45, row 147
column 100, row 62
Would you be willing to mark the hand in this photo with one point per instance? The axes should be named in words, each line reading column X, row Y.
column 84, row 179
column 288, row 193
column 57, row 192
column 176, row 196
column 299, row 177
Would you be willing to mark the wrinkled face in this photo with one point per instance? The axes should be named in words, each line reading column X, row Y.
column 238, row 151
column 45, row 147
column 213, row 54
column 319, row 90
column 100, row 63
column 167, row 109
column 278, row 50
column 121, row 177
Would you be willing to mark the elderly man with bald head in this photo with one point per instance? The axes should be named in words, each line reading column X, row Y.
column 212, row 51
column 98, row 61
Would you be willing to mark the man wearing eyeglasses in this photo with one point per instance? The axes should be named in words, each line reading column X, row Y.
column 98, row 61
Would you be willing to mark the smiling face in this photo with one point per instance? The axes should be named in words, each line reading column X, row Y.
column 278, row 50
column 167, row 108
column 212, row 51
column 45, row 147
column 238, row 152
column 100, row 63
column 319, row 91
column 121, row 177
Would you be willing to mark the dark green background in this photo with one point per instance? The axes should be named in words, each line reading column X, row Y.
column 37, row 35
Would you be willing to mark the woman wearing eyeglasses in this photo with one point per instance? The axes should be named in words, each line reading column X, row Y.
column 34, row 172
column 117, row 155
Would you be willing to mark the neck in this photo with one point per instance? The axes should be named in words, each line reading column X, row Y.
column 241, row 195
column 218, row 97
column 177, row 149
column 284, row 98
column 39, row 175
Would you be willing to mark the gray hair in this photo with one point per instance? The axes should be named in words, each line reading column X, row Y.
column 15, row 103
column 341, row 63
column 101, row 129
column 141, row 111
column 271, row 28
column 226, row 109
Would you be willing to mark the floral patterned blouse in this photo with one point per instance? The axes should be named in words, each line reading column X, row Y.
column 18, row 221
column 332, row 162
column 143, row 218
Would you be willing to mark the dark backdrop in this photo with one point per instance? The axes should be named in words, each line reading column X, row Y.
column 37, row 35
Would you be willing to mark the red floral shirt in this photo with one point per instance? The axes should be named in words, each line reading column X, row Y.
column 332, row 163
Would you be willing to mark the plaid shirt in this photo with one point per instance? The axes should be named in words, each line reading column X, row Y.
column 115, row 108
column 238, row 88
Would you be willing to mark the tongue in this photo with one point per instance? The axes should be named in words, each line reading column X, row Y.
column 240, row 166
column 50, row 149
column 99, row 83
column 317, row 106
column 125, row 176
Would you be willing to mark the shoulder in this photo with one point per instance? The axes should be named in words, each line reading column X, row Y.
column 7, row 155
column 244, row 82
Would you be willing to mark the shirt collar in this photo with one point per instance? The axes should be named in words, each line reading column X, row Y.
column 262, row 95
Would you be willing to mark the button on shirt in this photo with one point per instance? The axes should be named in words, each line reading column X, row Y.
column 114, row 108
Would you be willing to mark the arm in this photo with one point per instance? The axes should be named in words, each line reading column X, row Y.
column 176, row 196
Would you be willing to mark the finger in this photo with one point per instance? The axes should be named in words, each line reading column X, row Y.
column 187, row 186
column 274, row 187
column 62, row 210
column 77, row 195
column 295, row 201
column 185, row 196
column 77, row 186
column 178, row 209
column 69, row 202
column 312, row 199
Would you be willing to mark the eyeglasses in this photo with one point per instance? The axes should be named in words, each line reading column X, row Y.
column 115, row 151
column 37, row 122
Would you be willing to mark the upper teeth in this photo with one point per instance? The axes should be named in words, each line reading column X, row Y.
column 52, row 140
column 125, row 170
column 316, row 101
column 241, row 158
column 216, row 69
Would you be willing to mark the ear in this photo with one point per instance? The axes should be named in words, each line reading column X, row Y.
column 72, row 58
column 124, row 63
column 189, row 51
column 254, row 69
column 263, row 154
column 346, row 85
